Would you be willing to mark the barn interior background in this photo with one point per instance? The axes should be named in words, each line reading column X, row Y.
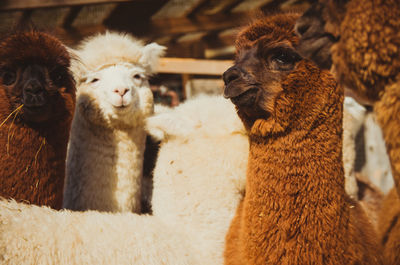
column 199, row 34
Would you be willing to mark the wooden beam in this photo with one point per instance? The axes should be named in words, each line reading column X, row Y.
column 193, row 66
column 162, row 27
column 249, row 5
column 72, row 36
column 177, row 8
column 218, row 6
column 30, row 4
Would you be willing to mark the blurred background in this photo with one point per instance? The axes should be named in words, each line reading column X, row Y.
column 199, row 34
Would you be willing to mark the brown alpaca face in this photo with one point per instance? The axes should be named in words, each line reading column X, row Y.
column 254, row 81
column 40, row 84
column 271, row 85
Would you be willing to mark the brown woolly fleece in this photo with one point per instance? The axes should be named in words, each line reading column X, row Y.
column 365, row 51
column 389, row 228
column 366, row 59
column 33, row 139
column 295, row 210
column 388, row 115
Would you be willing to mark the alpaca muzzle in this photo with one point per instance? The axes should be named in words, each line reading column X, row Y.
column 234, row 85
column 34, row 95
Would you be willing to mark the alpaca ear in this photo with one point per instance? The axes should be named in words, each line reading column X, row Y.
column 151, row 55
column 77, row 68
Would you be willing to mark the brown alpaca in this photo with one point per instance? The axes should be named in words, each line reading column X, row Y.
column 295, row 210
column 363, row 39
column 366, row 58
column 37, row 98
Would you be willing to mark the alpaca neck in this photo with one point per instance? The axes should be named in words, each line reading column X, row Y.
column 295, row 192
column 118, row 153
column 33, row 161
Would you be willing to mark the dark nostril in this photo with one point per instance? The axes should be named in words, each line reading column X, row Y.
column 33, row 87
column 230, row 75
column 121, row 91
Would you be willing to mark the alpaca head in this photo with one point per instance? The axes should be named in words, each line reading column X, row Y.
column 113, row 74
column 272, row 86
column 34, row 73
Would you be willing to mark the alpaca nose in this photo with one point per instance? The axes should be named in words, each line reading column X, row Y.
column 33, row 87
column 121, row 91
column 34, row 94
column 230, row 75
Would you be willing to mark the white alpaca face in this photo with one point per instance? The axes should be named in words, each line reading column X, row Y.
column 119, row 92
column 118, row 85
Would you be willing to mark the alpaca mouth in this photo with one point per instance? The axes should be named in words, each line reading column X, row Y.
column 121, row 106
column 246, row 98
column 34, row 109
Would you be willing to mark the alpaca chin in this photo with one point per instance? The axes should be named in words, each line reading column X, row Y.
column 36, row 114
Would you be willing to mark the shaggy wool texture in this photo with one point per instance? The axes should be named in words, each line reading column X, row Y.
column 37, row 99
column 366, row 58
column 200, row 172
column 295, row 210
column 198, row 183
column 389, row 228
column 106, row 148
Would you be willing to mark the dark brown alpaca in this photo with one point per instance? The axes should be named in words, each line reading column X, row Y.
column 365, row 50
column 37, row 98
column 295, row 210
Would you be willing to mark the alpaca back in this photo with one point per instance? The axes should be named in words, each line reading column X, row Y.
column 200, row 171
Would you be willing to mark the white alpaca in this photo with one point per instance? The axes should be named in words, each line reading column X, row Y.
column 199, row 180
column 105, row 156
column 199, row 176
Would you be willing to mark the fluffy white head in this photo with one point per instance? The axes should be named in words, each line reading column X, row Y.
column 118, row 94
column 112, row 73
column 103, row 50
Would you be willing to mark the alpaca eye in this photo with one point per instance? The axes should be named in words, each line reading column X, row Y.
column 9, row 77
column 94, row 80
column 57, row 79
column 285, row 60
column 137, row 76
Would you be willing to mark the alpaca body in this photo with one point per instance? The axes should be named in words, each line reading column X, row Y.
column 388, row 110
column 199, row 185
column 366, row 59
column 37, row 100
column 96, row 152
column 298, row 216
column 105, row 157
column 199, row 180
column 295, row 210
column 89, row 237
column 37, row 157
